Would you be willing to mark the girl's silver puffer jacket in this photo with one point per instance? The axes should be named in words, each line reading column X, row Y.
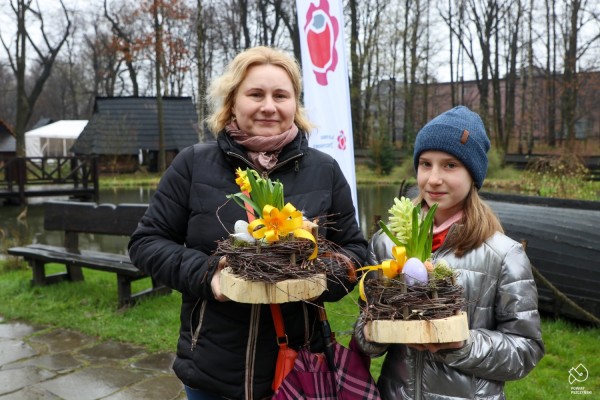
column 505, row 336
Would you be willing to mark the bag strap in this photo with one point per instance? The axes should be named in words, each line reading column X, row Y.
column 328, row 336
column 279, row 326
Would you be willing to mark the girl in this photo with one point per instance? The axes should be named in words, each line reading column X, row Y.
column 505, row 340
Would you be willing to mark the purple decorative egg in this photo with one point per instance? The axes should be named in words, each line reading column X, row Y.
column 414, row 272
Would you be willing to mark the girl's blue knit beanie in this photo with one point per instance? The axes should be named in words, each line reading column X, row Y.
column 459, row 132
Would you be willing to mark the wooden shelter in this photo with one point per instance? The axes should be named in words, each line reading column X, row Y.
column 124, row 132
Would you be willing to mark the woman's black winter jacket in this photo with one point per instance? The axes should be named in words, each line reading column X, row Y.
column 235, row 349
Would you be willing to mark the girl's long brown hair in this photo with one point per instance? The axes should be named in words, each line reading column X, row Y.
column 478, row 224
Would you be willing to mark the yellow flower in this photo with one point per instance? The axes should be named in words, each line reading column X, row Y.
column 276, row 223
column 242, row 180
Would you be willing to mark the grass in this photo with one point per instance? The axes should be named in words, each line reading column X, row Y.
column 90, row 307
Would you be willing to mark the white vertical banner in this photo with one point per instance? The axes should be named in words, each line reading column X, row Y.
column 325, row 77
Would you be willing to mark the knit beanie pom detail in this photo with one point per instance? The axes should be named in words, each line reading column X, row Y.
column 461, row 133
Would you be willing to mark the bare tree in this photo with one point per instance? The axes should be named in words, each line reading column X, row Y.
column 508, row 33
column 577, row 16
column 157, row 9
column 104, row 60
column 365, row 19
column 200, row 62
column 551, row 71
column 123, row 28
column 289, row 16
column 413, row 43
column 18, row 62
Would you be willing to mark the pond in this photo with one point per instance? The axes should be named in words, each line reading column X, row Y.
column 373, row 203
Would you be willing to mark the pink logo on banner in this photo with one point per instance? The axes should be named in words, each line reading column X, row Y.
column 321, row 32
column 341, row 139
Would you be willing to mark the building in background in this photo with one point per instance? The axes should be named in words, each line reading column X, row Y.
column 123, row 131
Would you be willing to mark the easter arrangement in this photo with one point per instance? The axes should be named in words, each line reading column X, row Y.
column 276, row 256
column 412, row 299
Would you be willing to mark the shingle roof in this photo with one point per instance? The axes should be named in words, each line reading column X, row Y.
column 124, row 125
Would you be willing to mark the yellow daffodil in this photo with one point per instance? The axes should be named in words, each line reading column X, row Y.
column 242, row 180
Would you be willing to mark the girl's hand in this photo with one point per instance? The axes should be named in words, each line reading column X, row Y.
column 435, row 347
column 215, row 283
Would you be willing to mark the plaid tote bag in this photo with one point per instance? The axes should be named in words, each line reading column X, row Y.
column 312, row 378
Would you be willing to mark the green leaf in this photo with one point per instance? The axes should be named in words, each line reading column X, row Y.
column 263, row 191
column 241, row 200
column 389, row 233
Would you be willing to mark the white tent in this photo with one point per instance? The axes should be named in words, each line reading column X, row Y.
column 53, row 140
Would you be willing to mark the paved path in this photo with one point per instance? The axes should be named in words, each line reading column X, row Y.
column 41, row 363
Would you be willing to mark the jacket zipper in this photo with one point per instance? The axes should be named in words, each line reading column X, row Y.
column 251, row 349
column 419, row 374
column 265, row 174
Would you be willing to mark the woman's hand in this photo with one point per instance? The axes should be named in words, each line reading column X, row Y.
column 435, row 347
column 215, row 283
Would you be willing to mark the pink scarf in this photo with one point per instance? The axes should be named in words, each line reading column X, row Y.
column 263, row 151
column 440, row 232
column 448, row 223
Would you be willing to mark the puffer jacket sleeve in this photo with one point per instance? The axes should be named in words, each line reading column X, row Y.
column 514, row 347
column 157, row 245
column 346, row 234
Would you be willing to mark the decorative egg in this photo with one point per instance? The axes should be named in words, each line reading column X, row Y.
column 414, row 272
column 244, row 237
column 240, row 226
column 241, row 232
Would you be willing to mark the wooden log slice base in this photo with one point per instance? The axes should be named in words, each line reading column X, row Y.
column 442, row 330
column 253, row 292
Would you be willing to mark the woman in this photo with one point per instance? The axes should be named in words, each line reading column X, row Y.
column 505, row 341
column 228, row 349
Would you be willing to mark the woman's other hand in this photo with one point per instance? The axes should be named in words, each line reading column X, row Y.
column 215, row 283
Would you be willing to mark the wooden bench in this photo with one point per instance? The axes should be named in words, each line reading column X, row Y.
column 74, row 218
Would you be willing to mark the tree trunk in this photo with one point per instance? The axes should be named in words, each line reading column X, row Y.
column 201, row 72
column 551, row 71
column 23, row 107
column 162, row 165
column 569, row 100
column 356, row 77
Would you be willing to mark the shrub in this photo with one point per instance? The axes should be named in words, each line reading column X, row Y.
column 563, row 176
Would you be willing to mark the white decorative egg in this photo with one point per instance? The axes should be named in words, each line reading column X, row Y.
column 244, row 237
column 240, row 226
column 414, row 272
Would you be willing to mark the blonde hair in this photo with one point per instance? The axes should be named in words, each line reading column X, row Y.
column 222, row 91
column 479, row 223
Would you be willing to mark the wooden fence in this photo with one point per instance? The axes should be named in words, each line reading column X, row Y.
column 24, row 177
